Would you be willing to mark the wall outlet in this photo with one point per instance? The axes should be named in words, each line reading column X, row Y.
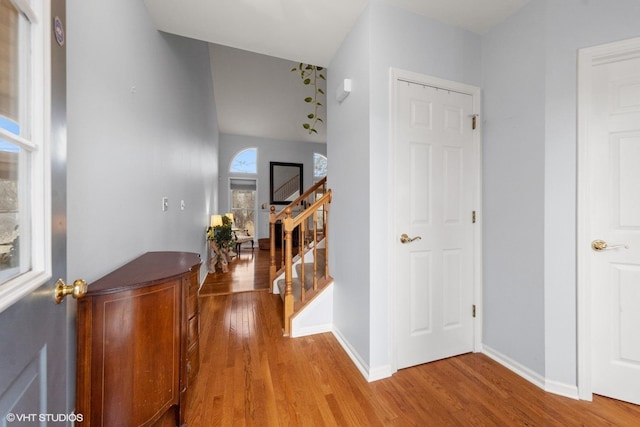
column 165, row 204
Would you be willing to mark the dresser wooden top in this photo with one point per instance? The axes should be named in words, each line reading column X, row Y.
column 146, row 270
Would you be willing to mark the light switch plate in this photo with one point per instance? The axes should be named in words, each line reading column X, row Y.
column 165, row 204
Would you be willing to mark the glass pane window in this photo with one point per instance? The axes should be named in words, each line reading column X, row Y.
column 13, row 223
column 15, row 68
column 243, row 208
column 245, row 161
column 22, row 85
column 243, row 204
column 319, row 166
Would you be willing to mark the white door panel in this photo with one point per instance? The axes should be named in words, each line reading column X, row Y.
column 614, row 144
column 433, row 146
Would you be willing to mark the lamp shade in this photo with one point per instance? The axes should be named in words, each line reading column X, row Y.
column 216, row 220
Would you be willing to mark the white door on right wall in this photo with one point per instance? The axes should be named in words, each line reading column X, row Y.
column 613, row 136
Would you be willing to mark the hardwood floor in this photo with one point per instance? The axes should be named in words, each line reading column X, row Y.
column 251, row 375
column 249, row 271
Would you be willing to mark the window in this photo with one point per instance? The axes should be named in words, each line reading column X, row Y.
column 245, row 161
column 319, row 166
column 243, row 203
column 24, row 209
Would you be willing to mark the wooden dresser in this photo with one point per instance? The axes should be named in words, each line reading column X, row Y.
column 138, row 344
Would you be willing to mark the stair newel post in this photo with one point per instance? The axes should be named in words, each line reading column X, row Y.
column 272, row 247
column 287, row 225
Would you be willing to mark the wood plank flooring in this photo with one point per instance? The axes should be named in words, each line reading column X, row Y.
column 252, row 376
column 249, row 271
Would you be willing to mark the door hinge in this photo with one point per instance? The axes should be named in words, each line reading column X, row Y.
column 474, row 121
column 474, row 310
column 473, row 217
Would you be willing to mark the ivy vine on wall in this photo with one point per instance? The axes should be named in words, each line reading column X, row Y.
column 310, row 75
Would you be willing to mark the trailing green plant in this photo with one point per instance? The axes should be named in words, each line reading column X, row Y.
column 310, row 75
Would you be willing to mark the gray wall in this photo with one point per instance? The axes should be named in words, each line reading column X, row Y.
column 360, row 169
column 513, row 187
column 141, row 126
column 348, row 154
column 269, row 150
column 571, row 24
column 530, row 176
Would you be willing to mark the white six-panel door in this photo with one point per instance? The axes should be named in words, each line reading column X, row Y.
column 614, row 211
column 434, row 204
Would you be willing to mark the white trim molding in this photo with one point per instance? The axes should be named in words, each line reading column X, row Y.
column 368, row 374
column 566, row 390
column 526, row 373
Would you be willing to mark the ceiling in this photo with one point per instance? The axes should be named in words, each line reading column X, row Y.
column 278, row 32
column 258, row 95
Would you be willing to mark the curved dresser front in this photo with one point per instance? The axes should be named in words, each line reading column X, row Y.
column 137, row 344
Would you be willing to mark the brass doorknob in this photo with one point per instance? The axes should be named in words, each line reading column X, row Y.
column 601, row 245
column 406, row 239
column 77, row 290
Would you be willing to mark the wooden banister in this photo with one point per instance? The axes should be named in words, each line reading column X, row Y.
column 300, row 218
column 305, row 199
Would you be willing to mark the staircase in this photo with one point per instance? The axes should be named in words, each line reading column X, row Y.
column 304, row 276
column 301, row 278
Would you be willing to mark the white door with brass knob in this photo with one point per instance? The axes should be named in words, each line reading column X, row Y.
column 435, row 180
column 610, row 199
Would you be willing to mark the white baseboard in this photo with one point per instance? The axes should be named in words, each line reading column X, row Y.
column 512, row 365
column 555, row 387
column 368, row 374
column 562, row 389
column 353, row 355
column 379, row 373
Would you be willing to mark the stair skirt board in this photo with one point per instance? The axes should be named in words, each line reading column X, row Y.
column 316, row 317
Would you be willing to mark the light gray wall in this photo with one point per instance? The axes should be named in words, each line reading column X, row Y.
column 553, row 32
column 571, row 25
column 141, row 126
column 360, row 169
column 348, row 176
column 269, row 150
column 513, row 187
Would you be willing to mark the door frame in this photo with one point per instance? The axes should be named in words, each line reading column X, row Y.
column 397, row 74
column 587, row 59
